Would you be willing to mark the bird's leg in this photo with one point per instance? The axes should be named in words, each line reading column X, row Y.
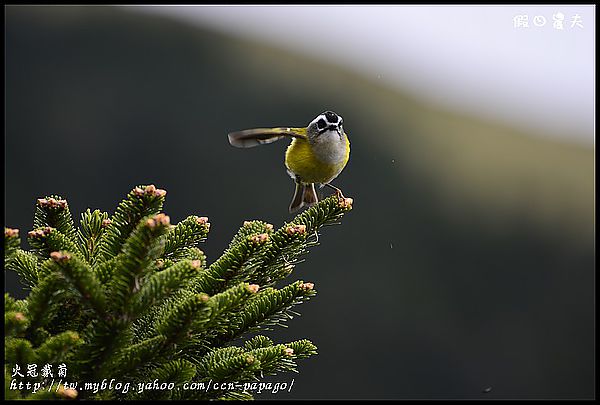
column 337, row 190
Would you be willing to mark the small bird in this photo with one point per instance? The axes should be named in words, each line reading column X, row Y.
column 317, row 154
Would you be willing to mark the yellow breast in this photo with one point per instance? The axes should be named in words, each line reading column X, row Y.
column 318, row 162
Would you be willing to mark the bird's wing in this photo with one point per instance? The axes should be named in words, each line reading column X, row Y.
column 249, row 138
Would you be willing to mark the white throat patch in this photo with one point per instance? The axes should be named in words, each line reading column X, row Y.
column 329, row 148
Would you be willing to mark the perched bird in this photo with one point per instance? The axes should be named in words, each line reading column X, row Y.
column 317, row 154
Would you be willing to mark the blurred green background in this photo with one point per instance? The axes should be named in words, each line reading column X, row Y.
column 467, row 262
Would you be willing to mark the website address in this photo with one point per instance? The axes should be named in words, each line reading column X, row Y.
column 156, row 385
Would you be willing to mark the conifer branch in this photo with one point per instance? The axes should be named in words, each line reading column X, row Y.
column 191, row 253
column 47, row 240
column 177, row 371
column 12, row 241
column 191, row 312
column 18, row 351
column 54, row 212
column 56, row 348
column 228, row 364
column 230, row 300
column 15, row 323
column 161, row 284
column 131, row 297
column 141, row 202
column 327, row 212
column 268, row 308
column 224, row 305
column 81, row 277
column 186, row 234
column 91, row 229
column 226, row 271
column 105, row 270
column 258, row 342
column 136, row 356
column 275, row 359
column 303, row 348
column 103, row 338
column 43, row 301
column 276, row 260
column 258, row 357
column 10, row 304
column 25, row 264
column 143, row 246
column 251, row 228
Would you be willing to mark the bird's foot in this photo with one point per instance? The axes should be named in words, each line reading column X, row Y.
column 343, row 200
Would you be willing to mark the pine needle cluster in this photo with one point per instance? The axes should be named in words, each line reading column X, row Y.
column 129, row 299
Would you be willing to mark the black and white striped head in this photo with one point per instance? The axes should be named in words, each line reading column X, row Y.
column 326, row 121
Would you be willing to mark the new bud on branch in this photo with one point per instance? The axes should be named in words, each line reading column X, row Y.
column 11, row 233
column 40, row 233
column 52, row 203
column 158, row 220
column 295, row 229
column 60, row 257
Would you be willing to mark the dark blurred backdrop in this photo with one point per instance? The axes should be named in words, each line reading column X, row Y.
column 467, row 262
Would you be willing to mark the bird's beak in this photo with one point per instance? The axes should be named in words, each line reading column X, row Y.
column 334, row 128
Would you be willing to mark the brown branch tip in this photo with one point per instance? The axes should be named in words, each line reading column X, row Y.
column 149, row 190
column 40, row 233
column 259, row 239
column 203, row 221
column 307, row 286
column 158, row 220
column 346, row 202
column 11, row 233
column 52, row 203
column 60, row 257
column 295, row 229
column 253, row 288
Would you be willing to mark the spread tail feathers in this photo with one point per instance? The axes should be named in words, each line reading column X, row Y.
column 305, row 195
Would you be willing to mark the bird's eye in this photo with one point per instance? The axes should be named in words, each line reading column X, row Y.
column 341, row 122
column 321, row 124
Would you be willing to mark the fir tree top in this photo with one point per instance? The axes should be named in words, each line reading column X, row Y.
column 130, row 297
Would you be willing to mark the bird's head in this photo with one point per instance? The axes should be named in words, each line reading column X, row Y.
column 326, row 121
